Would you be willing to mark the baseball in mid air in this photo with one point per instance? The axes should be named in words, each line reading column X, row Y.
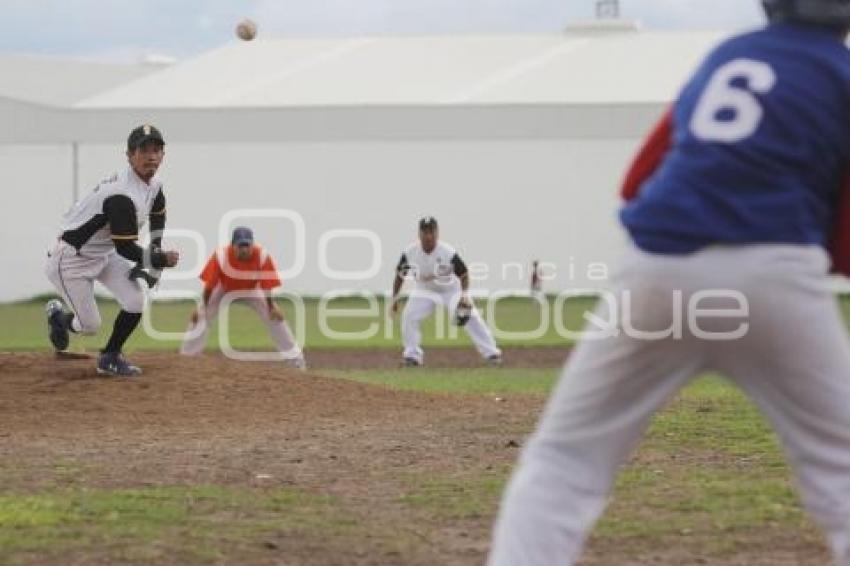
column 246, row 30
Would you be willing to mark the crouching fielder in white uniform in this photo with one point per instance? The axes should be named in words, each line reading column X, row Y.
column 442, row 279
column 245, row 268
column 730, row 206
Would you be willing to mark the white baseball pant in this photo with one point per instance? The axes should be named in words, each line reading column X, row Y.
column 794, row 363
column 421, row 304
column 280, row 332
column 73, row 275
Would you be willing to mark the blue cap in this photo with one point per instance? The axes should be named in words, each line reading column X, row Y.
column 242, row 236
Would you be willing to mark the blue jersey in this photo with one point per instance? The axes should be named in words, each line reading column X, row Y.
column 760, row 145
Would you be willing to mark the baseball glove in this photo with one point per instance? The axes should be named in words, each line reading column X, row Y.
column 138, row 272
column 463, row 313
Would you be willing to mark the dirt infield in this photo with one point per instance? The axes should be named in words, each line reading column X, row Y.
column 214, row 421
column 211, row 421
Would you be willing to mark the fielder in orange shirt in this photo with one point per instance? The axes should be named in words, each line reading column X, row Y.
column 247, row 268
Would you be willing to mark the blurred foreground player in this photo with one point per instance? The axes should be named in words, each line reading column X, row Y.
column 740, row 188
column 246, row 268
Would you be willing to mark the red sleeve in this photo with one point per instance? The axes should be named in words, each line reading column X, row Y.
column 649, row 157
column 839, row 245
column 211, row 275
column 269, row 279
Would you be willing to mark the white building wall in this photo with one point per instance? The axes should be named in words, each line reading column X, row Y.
column 36, row 191
column 501, row 203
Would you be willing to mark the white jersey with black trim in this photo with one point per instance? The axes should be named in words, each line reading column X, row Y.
column 86, row 219
column 432, row 271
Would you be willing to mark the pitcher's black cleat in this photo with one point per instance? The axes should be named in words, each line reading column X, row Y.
column 57, row 324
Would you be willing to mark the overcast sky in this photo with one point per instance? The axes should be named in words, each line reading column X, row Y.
column 128, row 29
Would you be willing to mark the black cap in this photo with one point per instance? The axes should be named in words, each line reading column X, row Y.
column 142, row 134
column 242, row 236
column 428, row 223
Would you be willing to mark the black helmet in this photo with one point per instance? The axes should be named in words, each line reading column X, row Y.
column 831, row 13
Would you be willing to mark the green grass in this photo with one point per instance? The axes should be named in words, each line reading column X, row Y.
column 720, row 505
column 713, row 464
column 511, row 315
column 647, row 503
column 378, row 330
column 455, row 498
column 479, row 381
column 714, row 416
column 199, row 522
column 709, row 464
column 25, row 328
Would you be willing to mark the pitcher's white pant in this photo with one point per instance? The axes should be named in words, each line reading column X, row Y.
column 794, row 363
column 74, row 275
column 421, row 304
column 196, row 337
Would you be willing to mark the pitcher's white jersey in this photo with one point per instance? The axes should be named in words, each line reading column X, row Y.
column 85, row 226
column 435, row 271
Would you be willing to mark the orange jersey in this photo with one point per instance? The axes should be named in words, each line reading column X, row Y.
column 258, row 271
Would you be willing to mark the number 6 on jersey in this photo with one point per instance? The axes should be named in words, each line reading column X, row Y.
column 721, row 94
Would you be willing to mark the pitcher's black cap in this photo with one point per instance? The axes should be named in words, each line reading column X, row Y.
column 142, row 134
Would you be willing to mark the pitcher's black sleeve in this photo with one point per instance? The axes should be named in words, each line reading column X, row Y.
column 157, row 220
column 121, row 217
